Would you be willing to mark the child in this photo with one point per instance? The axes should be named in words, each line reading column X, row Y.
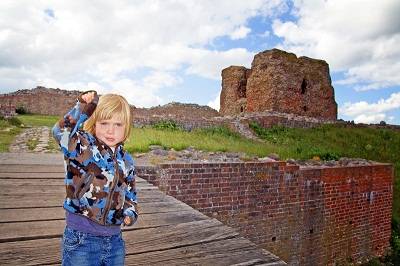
column 100, row 179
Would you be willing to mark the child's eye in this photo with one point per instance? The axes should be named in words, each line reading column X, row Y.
column 119, row 124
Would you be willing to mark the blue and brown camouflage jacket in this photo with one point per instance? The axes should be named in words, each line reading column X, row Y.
column 100, row 183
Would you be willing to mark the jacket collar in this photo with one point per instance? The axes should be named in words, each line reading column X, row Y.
column 118, row 147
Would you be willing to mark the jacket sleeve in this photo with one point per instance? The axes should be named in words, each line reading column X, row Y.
column 65, row 130
column 130, row 208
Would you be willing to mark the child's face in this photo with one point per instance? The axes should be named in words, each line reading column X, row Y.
column 110, row 131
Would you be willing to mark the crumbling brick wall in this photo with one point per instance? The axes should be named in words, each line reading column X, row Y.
column 306, row 216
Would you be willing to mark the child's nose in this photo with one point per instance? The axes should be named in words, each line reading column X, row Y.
column 110, row 129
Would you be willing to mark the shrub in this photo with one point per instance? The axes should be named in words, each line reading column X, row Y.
column 14, row 121
column 167, row 124
column 221, row 131
column 275, row 134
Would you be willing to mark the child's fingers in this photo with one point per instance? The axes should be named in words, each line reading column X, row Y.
column 88, row 97
column 85, row 98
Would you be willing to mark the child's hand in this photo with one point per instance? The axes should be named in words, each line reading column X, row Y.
column 128, row 220
column 88, row 97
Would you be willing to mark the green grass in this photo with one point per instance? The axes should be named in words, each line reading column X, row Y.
column 31, row 120
column 7, row 134
column 214, row 139
column 52, row 144
column 32, row 143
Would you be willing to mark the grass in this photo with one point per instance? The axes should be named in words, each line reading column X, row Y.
column 7, row 135
column 8, row 130
column 32, row 143
column 52, row 144
column 30, row 120
column 214, row 139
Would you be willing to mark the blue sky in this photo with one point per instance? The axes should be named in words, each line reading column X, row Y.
column 155, row 52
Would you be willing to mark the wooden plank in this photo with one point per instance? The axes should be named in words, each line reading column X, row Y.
column 36, row 200
column 41, row 175
column 30, row 175
column 44, row 229
column 45, row 186
column 29, row 168
column 178, row 235
column 31, row 252
column 31, row 214
column 46, row 251
column 59, row 190
column 44, row 214
column 237, row 251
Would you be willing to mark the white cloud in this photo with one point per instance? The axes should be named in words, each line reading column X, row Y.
column 369, row 119
column 240, row 33
column 215, row 103
column 363, row 112
column 209, row 64
column 76, row 43
column 360, row 38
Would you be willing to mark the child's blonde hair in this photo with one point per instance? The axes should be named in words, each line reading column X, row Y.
column 108, row 106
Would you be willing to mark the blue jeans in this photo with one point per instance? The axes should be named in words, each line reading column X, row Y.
column 83, row 249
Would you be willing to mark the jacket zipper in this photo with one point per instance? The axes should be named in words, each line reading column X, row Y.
column 115, row 179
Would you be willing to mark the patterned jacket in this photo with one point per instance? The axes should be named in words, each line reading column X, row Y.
column 100, row 183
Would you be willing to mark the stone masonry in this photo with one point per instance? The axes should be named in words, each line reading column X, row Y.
column 282, row 82
column 7, row 109
column 41, row 100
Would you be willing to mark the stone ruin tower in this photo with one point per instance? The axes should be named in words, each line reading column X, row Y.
column 279, row 81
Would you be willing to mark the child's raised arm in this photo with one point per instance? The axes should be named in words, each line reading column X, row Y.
column 64, row 131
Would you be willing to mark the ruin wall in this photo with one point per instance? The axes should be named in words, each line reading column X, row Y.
column 306, row 216
column 279, row 81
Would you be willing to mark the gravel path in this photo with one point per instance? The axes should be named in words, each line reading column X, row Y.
column 34, row 139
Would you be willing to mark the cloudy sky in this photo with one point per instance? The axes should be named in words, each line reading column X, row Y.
column 155, row 52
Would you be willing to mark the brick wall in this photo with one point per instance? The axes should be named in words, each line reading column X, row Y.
column 310, row 216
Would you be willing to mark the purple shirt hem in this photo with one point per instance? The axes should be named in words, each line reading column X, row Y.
column 85, row 225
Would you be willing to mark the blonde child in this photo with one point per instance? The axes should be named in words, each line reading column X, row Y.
column 100, row 179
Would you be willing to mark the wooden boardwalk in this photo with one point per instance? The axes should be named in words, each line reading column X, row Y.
column 168, row 231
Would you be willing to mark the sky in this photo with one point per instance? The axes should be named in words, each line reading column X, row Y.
column 156, row 52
